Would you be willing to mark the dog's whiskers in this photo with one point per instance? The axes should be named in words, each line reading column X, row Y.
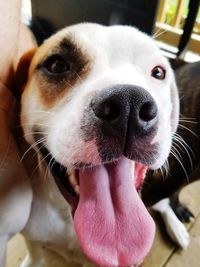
column 34, row 146
column 79, row 77
column 184, row 146
column 33, row 124
column 162, row 173
column 183, row 117
column 48, row 167
column 38, row 111
column 173, row 153
column 53, row 162
column 166, row 168
column 40, row 161
column 182, row 141
column 189, row 130
column 61, row 166
column 69, row 84
column 32, row 133
column 176, row 144
column 177, row 152
column 188, row 121
column 158, row 33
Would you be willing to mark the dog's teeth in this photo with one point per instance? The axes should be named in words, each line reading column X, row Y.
column 73, row 180
column 77, row 189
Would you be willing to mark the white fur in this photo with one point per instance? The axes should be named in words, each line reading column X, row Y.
column 120, row 55
column 175, row 228
column 121, row 60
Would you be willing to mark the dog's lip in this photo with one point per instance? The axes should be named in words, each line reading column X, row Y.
column 61, row 177
column 68, row 180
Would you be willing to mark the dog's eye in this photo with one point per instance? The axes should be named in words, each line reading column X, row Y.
column 56, row 65
column 158, row 73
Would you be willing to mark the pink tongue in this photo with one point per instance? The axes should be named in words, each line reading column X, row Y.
column 111, row 222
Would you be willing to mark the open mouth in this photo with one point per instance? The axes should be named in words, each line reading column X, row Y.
column 112, row 224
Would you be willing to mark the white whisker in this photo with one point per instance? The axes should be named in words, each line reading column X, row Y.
column 189, row 130
column 188, row 121
column 179, row 161
column 187, row 152
column 177, row 152
column 33, row 146
column 158, row 33
column 80, row 79
column 32, row 133
column 40, row 163
column 33, row 124
column 38, row 111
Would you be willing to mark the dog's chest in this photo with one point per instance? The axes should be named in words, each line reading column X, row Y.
column 50, row 219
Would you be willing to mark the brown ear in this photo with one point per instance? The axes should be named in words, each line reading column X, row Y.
column 21, row 74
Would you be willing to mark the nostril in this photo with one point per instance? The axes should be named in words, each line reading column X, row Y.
column 148, row 111
column 107, row 111
column 111, row 111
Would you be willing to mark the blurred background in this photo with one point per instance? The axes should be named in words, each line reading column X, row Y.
column 175, row 24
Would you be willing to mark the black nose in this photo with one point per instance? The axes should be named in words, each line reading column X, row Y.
column 125, row 111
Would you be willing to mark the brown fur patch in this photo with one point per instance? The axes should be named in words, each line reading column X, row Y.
column 52, row 88
column 21, row 75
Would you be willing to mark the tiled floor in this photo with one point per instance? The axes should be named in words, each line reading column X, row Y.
column 164, row 253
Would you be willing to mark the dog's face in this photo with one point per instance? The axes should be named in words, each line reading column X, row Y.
column 96, row 97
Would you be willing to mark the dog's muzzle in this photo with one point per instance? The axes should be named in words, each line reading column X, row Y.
column 124, row 116
column 122, row 120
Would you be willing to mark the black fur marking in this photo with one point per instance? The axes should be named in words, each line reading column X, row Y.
column 70, row 53
column 181, row 211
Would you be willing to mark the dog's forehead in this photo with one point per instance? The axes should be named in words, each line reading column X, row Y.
column 98, row 35
column 97, row 54
column 96, row 39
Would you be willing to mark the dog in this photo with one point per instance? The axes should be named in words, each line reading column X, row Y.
column 162, row 192
column 99, row 105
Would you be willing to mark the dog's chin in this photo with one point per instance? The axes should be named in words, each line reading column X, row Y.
column 112, row 225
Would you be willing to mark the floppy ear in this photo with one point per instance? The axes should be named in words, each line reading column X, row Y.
column 21, row 74
column 175, row 105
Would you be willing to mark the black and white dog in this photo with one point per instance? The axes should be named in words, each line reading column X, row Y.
column 184, row 161
column 100, row 106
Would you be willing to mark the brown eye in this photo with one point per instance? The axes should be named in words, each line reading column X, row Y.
column 56, row 65
column 158, row 73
